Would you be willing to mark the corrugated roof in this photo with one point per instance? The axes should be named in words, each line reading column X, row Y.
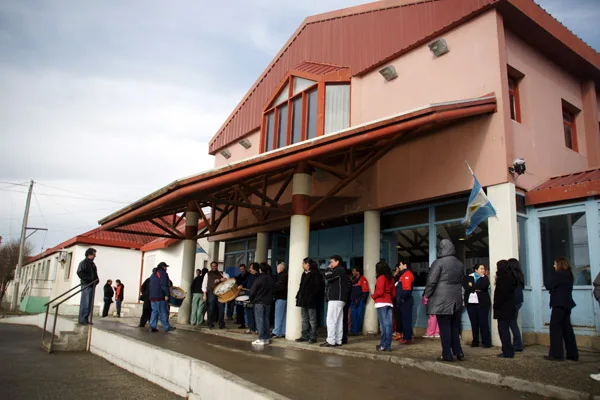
column 317, row 68
column 365, row 36
column 566, row 187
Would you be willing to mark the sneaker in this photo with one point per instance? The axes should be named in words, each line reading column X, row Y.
column 171, row 328
column 153, row 330
column 248, row 331
column 428, row 336
column 258, row 342
column 595, row 377
column 300, row 340
column 436, row 336
column 326, row 344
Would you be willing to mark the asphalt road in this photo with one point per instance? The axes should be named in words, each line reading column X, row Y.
column 311, row 375
column 29, row 372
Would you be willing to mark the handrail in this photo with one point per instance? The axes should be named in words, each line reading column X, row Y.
column 47, row 305
column 30, row 287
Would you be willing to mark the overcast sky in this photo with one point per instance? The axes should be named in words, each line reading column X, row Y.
column 113, row 99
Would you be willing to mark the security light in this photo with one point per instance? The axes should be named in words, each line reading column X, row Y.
column 245, row 143
column 439, row 47
column 389, row 73
column 518, row 168
column 226, row 153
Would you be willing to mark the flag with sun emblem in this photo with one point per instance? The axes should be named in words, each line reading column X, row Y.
column 479, row 208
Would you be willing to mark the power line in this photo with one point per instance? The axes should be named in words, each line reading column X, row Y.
column 69, row 197
column 43, row 219
column 13, row 183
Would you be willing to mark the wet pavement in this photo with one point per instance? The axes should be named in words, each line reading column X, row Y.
column 301, row 374
column 28, row 372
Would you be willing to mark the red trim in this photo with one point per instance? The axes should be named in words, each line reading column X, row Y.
column 321, row 109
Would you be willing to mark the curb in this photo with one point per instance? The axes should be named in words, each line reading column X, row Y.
column 469, row 374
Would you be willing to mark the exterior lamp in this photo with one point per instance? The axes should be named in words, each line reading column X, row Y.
column 388, row 73
column 439, row 47
column 245, row 143
column 226, row 153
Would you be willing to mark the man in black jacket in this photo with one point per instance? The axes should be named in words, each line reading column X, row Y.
column 336, row 294
column 241, row 280
column 281, row 290
column 147, row 307
column 198, row 304
column 108, row 295
column 308, row 296
column 88, row 274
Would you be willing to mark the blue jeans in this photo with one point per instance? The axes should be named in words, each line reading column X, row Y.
column 159, row 310
column 262, row 313
column 514, row 328
column 85, row 306
column 280, row 317
column 357, row 316
column 384, row 314
column 118, row 305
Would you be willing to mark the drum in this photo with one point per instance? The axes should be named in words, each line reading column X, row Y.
column 177, row 296
column 242, row 298
column 227, row 291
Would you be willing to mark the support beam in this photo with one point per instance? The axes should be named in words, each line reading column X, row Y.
column 189, row 262
column 503, row 235
column 372, row 255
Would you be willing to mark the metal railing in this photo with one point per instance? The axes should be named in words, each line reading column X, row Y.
column 81, row 287
column 30, row 287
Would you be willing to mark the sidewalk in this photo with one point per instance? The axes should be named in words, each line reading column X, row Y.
column 528, row 371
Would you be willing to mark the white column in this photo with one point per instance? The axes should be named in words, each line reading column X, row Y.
column 299, row 237
column 262, row 247
column 372, row 255
column 503, row 235
column 189, row 264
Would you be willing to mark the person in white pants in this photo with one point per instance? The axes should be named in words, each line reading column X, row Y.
column 336, row 294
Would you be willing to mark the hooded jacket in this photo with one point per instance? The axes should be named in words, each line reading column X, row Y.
column 445, row 282
column 338, row 284
column 159, row 284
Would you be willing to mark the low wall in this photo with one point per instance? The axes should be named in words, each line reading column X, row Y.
column 182, row 375
column 34, row 304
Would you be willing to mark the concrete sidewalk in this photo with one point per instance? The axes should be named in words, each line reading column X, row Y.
column 528, row 371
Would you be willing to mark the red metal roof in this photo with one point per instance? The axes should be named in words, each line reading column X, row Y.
column 567, row 187
column 364, row 37
column 317, row 68
column 101, row 237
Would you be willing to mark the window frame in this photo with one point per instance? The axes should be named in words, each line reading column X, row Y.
column 341, row 77
column 572, row 124
column 513, row 93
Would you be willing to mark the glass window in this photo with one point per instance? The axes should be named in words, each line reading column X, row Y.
column 410, row 218
column 282, row 129
column 337, row 108
column 523, row 248
column 239, row 245
column 451, row 211
column 283, row 96
column 513, row 95
column 297, row 120
column 566, row 236
column 301, row 84
column 521, row 207
column 471, row 250
column 311, row 115
column 412, row 245
column 270, row 139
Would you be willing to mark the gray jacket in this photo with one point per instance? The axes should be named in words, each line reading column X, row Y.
column 445, row 282
column 597, row 288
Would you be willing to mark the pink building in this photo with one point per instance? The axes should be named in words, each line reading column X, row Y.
column 353, row 141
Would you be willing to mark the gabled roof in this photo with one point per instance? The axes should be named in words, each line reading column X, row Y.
column 366, row 36
column 566, row 187
column 101, row 237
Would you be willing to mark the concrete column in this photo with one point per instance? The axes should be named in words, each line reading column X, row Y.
column 372, row 255
column 299, row 236
column 503, row 235
column 213, row 251
column 262, row 247
column 189, row 263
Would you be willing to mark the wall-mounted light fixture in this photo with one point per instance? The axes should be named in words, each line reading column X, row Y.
column 245, row 143
column 439, row 47
column 226, row 153
column 389, row 73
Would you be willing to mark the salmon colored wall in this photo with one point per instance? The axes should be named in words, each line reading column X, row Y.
column 238, row 152
column 434, row 166
column 539, row 138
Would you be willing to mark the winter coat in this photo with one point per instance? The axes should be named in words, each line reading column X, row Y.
column 159, row 284
column 108, row 292
column 597, row 288
column 197, row 284
column 120, row 293
column 311, row 285
column 504, row 297
column 87, row 272
column 281, row 286
column 560, row 286
column 145, row 290
column 338, row 284
column 445, row 282
column 262, row 290
column 385, row 291
column 481, row 287
column 404, row 289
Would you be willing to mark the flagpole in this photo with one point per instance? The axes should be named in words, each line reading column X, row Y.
column 470, row 170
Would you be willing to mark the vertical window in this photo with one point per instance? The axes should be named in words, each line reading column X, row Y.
column 522, row 223
column 337, row 107
column 282, row 126
column 566, row 236
column 513, row 95
column 569, row 126
column 297, row 120
column 270, row 139
column 311, row 115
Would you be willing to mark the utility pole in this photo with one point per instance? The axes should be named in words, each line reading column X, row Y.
column 13, row 306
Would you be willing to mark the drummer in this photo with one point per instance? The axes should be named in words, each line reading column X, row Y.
column 216, row 310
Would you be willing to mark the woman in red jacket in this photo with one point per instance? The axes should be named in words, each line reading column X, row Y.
column 385, row 292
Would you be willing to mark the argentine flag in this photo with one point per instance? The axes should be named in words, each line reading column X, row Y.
column 479, row 208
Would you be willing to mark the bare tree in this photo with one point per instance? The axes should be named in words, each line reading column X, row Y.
column 9, row 258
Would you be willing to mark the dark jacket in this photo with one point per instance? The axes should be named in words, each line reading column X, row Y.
column 145, row 290
column 481, row 287
column 504, row 297
column 445, row 282
column 87, row 271
column 108, row 292
column 338, row 284
column 262, row 290
column 120, row 293
column 197, row 284
column 404, row 289
column 560, row 286
column 159, row 284
column 281, row 286
column 311, row 285
column 597, row 288
column 241, row 279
